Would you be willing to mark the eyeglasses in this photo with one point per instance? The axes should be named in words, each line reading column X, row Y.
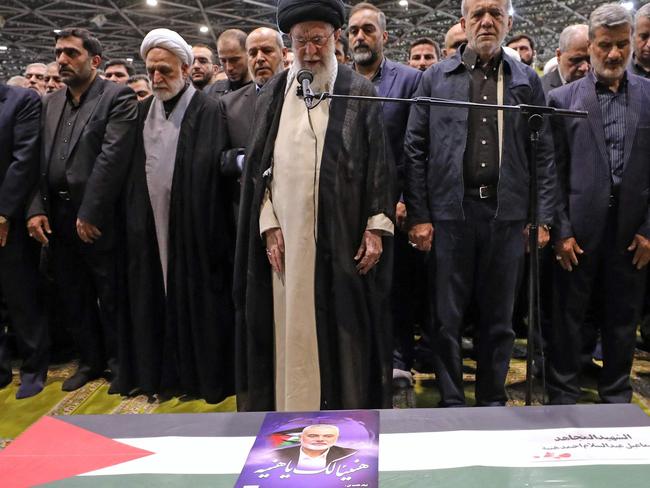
column 317, row 41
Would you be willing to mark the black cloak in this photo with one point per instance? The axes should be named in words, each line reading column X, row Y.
column 352, row 311
column 181, row 343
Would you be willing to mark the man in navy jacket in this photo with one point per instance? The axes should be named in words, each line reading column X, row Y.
column 367, row 35
column 468, row 178
column 20, row 115
column 602, row 231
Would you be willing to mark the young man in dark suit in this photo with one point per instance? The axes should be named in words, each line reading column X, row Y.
column 88, row 135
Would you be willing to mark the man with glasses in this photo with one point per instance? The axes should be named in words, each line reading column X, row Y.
column 52, row 78
column 312, row 304
column 35, row 74
column 572, row 58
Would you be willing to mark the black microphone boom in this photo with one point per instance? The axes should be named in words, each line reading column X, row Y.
column 305, row 77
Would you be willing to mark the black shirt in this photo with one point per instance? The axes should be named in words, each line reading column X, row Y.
column 637, row 69
column 481, row 160
column 62, row 140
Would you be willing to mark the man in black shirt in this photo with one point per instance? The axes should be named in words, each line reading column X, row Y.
column 469, row 182
column 88, row 134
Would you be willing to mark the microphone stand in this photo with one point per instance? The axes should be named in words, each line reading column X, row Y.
column 535, row 119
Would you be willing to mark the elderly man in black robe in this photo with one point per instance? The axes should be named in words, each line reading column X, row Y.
column 311, row 292
column 179, row 339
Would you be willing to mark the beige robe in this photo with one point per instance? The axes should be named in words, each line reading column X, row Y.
column 292, row 205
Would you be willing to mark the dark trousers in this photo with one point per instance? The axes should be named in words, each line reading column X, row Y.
column 22, row 290
column 484, row 257
column 619, row 288
column 409, row 300
column 85, row 276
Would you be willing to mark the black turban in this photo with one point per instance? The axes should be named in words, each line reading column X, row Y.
column 291, row 12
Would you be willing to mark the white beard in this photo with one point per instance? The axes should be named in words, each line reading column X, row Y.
column 167, row 94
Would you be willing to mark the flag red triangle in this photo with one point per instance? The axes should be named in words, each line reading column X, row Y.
column 52, row 450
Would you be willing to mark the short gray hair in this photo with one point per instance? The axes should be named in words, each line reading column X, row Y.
column 570, row 33
column 463, row 7
column 381, row 16
column 609, row 16
column 39, row 65
column 642, row 12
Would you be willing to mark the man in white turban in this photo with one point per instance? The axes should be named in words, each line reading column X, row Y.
column 179, row 237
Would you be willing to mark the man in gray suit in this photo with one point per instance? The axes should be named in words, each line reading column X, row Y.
column 88, row 135
column 603, row 216
column 265, row 52
column 572, row 58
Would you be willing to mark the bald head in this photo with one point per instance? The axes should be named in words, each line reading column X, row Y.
column 265, row 52
column 453, row 39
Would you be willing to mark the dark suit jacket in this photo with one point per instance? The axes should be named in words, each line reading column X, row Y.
column 435, row 147
column 293, row 454
column 397, row 81
column 238, row 108
column 20, row 115
column 101, row 149
column 551, row 80
column 583, row 165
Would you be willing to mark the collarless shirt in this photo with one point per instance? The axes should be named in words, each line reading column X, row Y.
column 62, row 146
column 481, row 159
column 639, row 70
column 613, row 106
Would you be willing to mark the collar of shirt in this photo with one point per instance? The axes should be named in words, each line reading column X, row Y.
column 472, row 61
column 602, row 87
column 318, row 462
column 639, row 69
column 376, row 79
column 83, row 96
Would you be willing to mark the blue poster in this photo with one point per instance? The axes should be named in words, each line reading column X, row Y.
column 314, row 449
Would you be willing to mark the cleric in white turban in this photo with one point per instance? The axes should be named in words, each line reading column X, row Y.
column 169, row 40
column 180, row 336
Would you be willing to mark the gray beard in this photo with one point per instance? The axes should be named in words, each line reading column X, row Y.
column 176, row 87
column 364, row 58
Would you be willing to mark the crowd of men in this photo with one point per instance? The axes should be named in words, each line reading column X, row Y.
column 209, row 229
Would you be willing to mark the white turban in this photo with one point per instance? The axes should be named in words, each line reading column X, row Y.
column 170, row 40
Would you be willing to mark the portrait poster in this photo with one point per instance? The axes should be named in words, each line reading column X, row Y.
column 314, row 449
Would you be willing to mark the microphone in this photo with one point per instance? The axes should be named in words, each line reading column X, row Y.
column 305, row 77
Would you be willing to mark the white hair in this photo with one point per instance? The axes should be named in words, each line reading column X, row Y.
column 463, row 7
column 570, row 33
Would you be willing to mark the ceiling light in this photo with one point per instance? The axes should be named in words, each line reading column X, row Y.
column 152, row 3
column 204, row 29
column 129, row 60
column 627, row 5
column 57, row 31
column 3, row 48
column 404, row 3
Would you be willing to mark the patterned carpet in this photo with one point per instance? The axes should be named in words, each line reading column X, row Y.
column 17, row 415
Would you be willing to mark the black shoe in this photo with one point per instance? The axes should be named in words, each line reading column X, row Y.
column 30, row 384
column 79, row 379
